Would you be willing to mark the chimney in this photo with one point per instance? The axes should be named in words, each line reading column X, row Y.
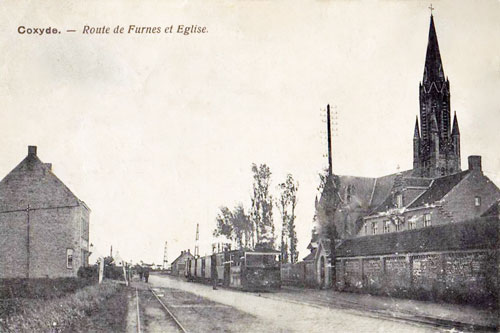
column 475, row 163
column 32, row 150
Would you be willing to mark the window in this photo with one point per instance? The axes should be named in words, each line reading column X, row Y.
column 69, row 258
column 374, row 228
column 387, row 226
column 477, row 201
column 399, row 200
column 366, row 228
column 427, row 220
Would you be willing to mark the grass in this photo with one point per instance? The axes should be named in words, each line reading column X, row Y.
column 92, row 308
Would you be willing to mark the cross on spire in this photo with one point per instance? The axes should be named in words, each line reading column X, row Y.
column 431, row 8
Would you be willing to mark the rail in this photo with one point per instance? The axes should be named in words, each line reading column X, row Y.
column 179, row 325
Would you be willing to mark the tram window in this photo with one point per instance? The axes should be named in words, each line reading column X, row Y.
column 254, row 260
column 270, row 260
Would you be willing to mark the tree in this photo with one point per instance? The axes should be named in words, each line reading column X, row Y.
column 286, row 205
column 234, row 225
column 224, row 223
column 262, row 206
column 242, row 227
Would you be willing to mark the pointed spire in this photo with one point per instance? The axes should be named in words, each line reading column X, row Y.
column 433, row 66
column 455, row 130
column 416, row 134
column 434, row 124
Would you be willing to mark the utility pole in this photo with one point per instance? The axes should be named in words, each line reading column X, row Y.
column 165, row 260
column 329, row 130
column 197, row 240
column 332, row 225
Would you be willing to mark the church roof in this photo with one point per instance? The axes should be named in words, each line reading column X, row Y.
column 476, row 234
column 310, row 256
column 439, row 188
column 365, row 194
column 493, row 210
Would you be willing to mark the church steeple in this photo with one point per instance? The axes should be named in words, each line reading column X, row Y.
column 437, row 152
column 433, row 70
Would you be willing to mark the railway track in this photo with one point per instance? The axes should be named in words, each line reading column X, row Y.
column 166, row 310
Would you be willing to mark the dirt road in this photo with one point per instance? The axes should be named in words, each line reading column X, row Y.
column 282, row 315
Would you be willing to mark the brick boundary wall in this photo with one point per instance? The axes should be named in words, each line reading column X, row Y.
column 469, row 276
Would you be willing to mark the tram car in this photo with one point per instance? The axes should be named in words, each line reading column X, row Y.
column 241, row 269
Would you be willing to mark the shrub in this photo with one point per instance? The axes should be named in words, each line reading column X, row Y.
column 43, row 288
column 90, row 272
column 58, row 315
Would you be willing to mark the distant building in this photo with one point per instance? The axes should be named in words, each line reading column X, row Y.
column 44, row 227
column 179, row 264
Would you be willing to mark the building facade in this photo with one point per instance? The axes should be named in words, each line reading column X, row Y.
column 416, row 203
column 44, row 227
column 179, row 264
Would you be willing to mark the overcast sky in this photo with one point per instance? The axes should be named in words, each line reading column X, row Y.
column 155, row 132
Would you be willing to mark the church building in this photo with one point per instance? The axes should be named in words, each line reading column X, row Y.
column 436, row 191
column 393, row 222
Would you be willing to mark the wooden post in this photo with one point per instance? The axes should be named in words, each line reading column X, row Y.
column 101, row 270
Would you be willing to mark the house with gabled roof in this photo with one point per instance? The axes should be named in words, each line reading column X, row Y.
column 44, row 227
column 179, row 264
column 423, row 202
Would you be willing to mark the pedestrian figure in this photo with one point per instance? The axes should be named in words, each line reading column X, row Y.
column 146, row 274
column 140, row 273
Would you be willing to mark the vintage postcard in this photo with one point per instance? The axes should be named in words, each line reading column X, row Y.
column 249, row 166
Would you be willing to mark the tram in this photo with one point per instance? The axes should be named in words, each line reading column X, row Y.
column 240, row 269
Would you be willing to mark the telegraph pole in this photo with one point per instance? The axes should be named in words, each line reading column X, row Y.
column 329, row 130
column 197, row 240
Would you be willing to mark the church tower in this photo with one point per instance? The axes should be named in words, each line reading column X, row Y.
column 436, row 147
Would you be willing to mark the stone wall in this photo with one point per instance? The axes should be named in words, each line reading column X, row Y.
column 466, row 276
